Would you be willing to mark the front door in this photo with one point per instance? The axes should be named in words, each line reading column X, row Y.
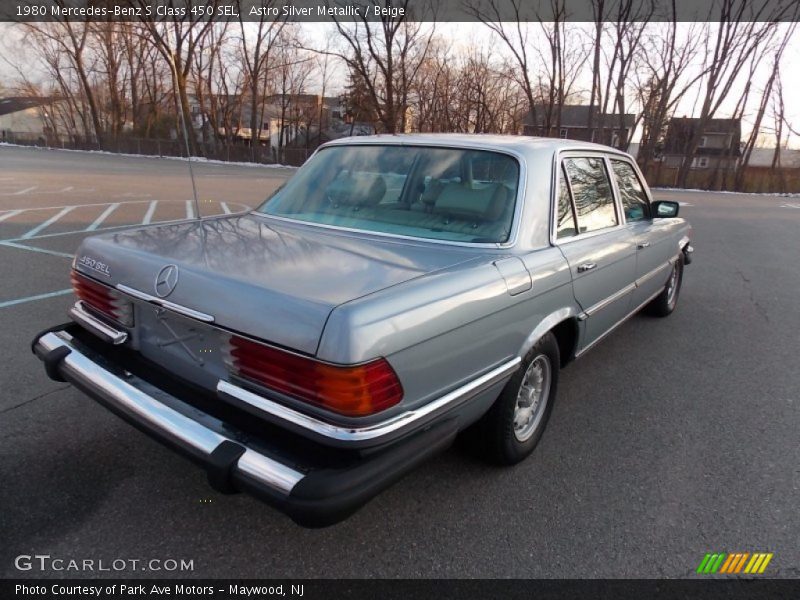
column 653, row 238
column 598, row 247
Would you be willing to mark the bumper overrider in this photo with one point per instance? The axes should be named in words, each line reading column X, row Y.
column 315, row 485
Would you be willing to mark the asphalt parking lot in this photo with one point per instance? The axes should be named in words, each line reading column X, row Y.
column 674, row 438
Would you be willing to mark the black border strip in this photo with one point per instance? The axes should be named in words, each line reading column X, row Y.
column 507, row 589
column 441, row 11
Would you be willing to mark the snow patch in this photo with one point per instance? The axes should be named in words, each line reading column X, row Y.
column 674, row 189
column 201, row 159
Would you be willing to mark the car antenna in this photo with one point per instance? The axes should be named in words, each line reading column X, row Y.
column 185, row 137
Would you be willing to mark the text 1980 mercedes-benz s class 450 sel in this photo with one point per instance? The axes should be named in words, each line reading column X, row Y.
column 396, row 291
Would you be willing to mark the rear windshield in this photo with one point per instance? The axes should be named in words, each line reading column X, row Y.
column 438, row 193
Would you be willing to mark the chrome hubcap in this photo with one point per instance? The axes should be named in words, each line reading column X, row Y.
column 672, row 285
column 532, row 398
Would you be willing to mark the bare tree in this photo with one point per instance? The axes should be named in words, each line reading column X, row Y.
column 514, row 35
column 741, row 31
column 293, row 73
column 663, row 77
column 777, row 53
column 258, row 46
column 385, row 56
column 111, row 71
column 627, row 31
column 177, row 41
column 563, row 62
column 64, row 49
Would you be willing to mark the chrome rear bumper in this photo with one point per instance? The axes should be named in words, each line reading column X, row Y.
column 312, row 495
column 175, row 427
column 105, row 332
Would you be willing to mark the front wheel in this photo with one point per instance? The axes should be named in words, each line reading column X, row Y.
column 663, row 304
column 515, row 423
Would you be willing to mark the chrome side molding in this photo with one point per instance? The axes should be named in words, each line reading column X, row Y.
column 377, row 430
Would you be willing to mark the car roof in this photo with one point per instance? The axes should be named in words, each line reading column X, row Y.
column 520, row 143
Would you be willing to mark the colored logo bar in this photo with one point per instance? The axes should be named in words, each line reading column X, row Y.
column 735, row 563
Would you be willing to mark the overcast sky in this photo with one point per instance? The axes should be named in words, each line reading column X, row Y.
column 462, row 36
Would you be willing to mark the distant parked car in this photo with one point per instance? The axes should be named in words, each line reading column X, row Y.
column 396, row 291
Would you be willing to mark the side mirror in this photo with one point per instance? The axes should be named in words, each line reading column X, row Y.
column 665, row 209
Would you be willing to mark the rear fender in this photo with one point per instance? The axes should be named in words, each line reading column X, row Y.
column 545, row 325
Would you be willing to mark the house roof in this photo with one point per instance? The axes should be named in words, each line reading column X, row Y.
column 681, row 129
column 18, row 103
column 712, row 126
column 577, row 115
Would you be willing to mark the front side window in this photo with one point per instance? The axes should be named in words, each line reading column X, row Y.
column 448, row 194
column 591, row 192
column 631, row 191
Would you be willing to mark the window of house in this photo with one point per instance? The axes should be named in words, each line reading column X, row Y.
column 631, row 191
column 565, row 217
column 591, row 192
column 615, row 139
column 703, row 142
column 563, row 134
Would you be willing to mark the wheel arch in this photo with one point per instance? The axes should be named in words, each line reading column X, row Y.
column 563, row 323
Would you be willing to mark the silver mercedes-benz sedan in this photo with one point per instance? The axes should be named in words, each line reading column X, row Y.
column 396, row 291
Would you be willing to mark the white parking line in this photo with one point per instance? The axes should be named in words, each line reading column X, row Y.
column 224, row 206
column 103, row 216
column 47, row 223
column 79, row 231
column 25, row 191
column 132, row 195
column 790, row 205
column 20, row 192
column 9, row 214
column 82, row 205
column 64, row 190
column 35, row 249
column 32, row 298
column 148, row 216
column 189, row 210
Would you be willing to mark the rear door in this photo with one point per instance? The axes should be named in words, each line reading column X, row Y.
column 652, row 237
column 600, row 249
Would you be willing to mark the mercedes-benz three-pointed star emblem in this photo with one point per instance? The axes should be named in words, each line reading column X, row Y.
column 166, row 281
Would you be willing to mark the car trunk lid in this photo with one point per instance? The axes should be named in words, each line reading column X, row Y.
column 269, row 279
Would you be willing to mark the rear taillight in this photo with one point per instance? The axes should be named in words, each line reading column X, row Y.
column 353, row 391
column 102, row 299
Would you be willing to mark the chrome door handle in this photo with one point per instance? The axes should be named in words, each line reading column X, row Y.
column 586, row 267
column 641, row 245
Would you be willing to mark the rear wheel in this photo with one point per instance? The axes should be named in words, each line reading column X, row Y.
column 663, row 304
column 515, row 423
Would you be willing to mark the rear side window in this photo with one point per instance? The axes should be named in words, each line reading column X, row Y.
column 631, row 191
column 565, row 225
column 591, row 192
